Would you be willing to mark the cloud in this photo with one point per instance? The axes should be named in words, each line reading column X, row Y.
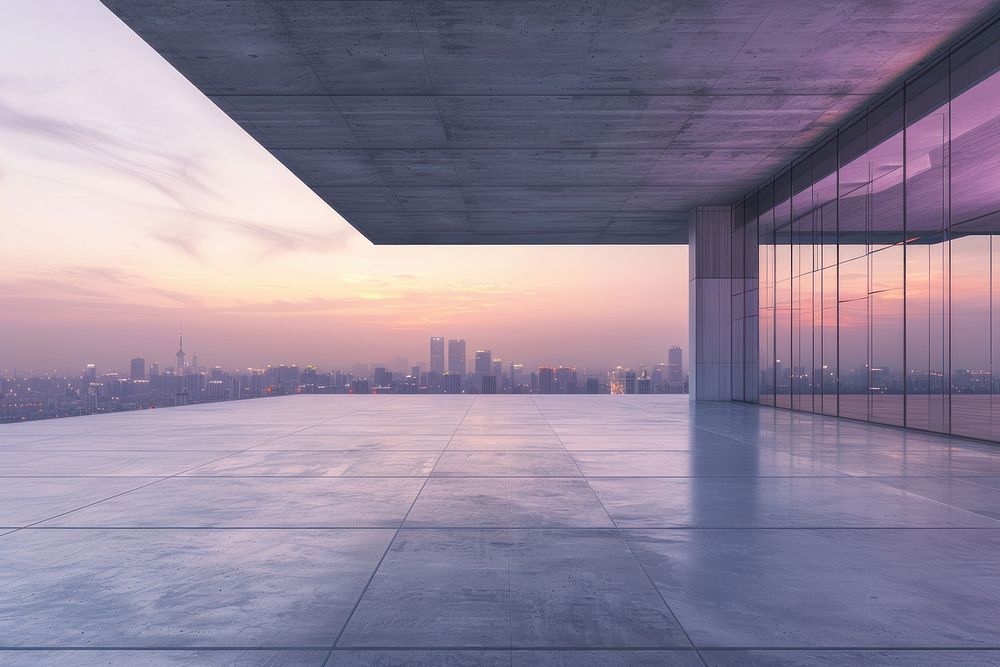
column 88, row 289
column 179, row 177
column 173, row 175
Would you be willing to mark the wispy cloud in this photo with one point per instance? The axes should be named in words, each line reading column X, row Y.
column 180, row 176
column 172, row 174
column 87, row 288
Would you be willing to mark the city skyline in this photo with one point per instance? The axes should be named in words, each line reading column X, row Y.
column 148, row 384
column 183, row 358
column 131, row 201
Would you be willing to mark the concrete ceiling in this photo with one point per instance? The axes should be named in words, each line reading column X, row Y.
column 523, row 121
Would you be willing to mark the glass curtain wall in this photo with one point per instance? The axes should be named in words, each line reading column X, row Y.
column 875, row 261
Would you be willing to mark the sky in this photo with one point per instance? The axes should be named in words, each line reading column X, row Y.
column 129, row 204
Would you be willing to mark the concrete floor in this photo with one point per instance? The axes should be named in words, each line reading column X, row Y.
column 494, row 530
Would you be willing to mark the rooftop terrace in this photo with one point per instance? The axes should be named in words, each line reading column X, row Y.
column 494, row 530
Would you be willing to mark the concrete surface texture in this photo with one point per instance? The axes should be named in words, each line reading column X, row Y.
column 471, row 121
column 311, row 530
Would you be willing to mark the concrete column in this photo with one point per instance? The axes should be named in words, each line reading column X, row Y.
column 710, row 290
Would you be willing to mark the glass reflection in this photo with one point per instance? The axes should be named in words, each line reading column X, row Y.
column 876, row 295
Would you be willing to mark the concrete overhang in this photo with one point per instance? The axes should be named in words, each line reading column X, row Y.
column 517, row 121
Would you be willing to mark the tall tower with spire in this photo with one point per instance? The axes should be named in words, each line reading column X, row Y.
column 180, row 355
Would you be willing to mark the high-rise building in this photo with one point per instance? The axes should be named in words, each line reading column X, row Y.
column 546, row 380
column 631, row 386
column 659, row 376
column 138, row 369
column 675, row 364
column 456, row 356
column 489, row 384
column 216, row 390
column 383, row 377
column 434, row 381
column 566, row 380
column 181, row 366
column 593, row 385
column 437, row 355
column 515, row 373
column 644, row 385
column 452, row 383
column 154, row 369
column 484, row 359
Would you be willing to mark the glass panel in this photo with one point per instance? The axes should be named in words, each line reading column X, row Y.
column 877, row 294
column 853, row 338
column 783, row 290
column 975, row 155
column 927, row 404
column 885, row 313
column 971, row 336
column 829, row 357
column 766, row 328
column 975, row 202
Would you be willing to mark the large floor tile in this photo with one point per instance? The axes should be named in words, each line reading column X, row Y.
column 182, row 588
column 24, row 500
column 420, row 658
column 541, row 502
column 773, row 502
column 163, row 658
column 248, row 502
column 517, row 463
column 461, row 502
column 823, row 588
column 532, row 440
column 47, row 463
column 584, row 589
column 371, row 442
column 350, row 463
column 736, row 461
column 437, row 588
column 831, row 658
column 606, row 658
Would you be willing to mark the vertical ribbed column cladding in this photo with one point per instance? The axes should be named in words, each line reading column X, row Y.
column 710, row 286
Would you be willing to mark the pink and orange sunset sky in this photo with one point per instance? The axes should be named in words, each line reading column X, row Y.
column 128, row 201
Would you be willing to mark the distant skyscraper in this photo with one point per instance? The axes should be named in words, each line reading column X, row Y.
column 659, row 376
column 644, row 385
column 593, row 386
column 566, row 380
column 154, row 369
column 90, row 374
column 181, row 356
column 484, row 359
column 631, row 386
column 437, row 355
column 514, row 373
column 452, row 383
column 489, row 384
column 546, row 380
column 383, row 377
column 456, row 356
column 138, row 369
column 675, row 364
